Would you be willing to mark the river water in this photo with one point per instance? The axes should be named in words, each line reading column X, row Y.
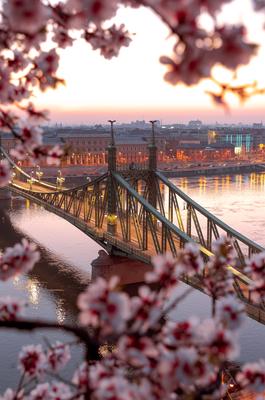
column 70, row 260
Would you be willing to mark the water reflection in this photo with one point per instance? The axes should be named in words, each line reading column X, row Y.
column 236, row 199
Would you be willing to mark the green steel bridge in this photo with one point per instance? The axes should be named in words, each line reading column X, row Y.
column 139, row 213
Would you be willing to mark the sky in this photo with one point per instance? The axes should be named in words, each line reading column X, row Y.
column 132, row 87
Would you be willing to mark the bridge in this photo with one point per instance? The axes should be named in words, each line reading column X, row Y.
column 138, row 212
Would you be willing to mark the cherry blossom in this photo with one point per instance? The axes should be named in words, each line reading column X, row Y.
column 146, row 310
column 58, row 356
column 256, row 269
column 54, row 391
column 30, row 135
column 230, row 312
column 81, row 376
column 220, row 343
column 60, row 391
column 115, row 387
column 252, row 376
column 25, row 16
column 108, row 41
column 259, row 4
column 235, row 50
column 176, row 334
column 12, row 395
column 218, row 279
column 189, row 260
column 5, row 173
column 18, row 259
column 11, row 309
column 40, row 392
column 32, row 360
column 164, row 270
column 136, row 351
column 104, row 309
column 54, row 155
column 48, row 62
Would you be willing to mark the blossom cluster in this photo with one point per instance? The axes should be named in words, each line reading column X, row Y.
column 148, row 354
column 18, row 259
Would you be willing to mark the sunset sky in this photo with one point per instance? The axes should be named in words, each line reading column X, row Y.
column 132, row 87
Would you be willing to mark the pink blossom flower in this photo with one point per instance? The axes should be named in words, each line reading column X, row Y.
column 60, row 391
column 136, row 351
column 5, row 173
column 195, row 65
column 189, row 260
column 48, row 62
column 218, row 279
column 26, row 16
column 103, row 308
column 62, row 38
column 18, row 259
column 10, row 309
column 176, row 334
column 255, row 268
column 252, row 376
column 40, row 392
column 32, row 360
column 58, row 356
column 116, row 387
column 108, row 41
column 164, row 272
column 54, row 155
column 220, row 343
column 6, row 86
column 99, row 10
column 81, row 376
column 234, row 50
column 259, row 4
column 146, row 309
column 229, row 312
column 30, row 135
column 184, row 368
column 10, row 394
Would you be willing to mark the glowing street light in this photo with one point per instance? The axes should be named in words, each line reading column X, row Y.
column 59, row 180
column 13, row 175
column 39, row 173
column 30, row 181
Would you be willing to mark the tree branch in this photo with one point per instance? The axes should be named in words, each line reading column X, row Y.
column 91, row 345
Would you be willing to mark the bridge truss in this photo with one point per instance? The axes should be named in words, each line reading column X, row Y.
column 140, row 213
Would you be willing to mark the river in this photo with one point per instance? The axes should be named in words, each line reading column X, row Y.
column 70, row 260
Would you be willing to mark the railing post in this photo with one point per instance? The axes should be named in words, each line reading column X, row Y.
column 112, row 208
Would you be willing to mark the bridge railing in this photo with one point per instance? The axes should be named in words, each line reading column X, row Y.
column 23, row 176
column 208, row 229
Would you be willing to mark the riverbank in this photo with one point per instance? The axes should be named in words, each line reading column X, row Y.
column 215, row 170
column 78, row 175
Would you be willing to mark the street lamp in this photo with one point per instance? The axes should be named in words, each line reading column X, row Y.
column 59, row 180
column 30, row 180
column 13, row 176
column 39, row 173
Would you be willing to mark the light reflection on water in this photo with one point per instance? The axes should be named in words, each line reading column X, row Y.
column 70, row 260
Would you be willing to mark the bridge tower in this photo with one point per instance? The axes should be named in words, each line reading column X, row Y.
column 112, row 209
column 152, row 167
